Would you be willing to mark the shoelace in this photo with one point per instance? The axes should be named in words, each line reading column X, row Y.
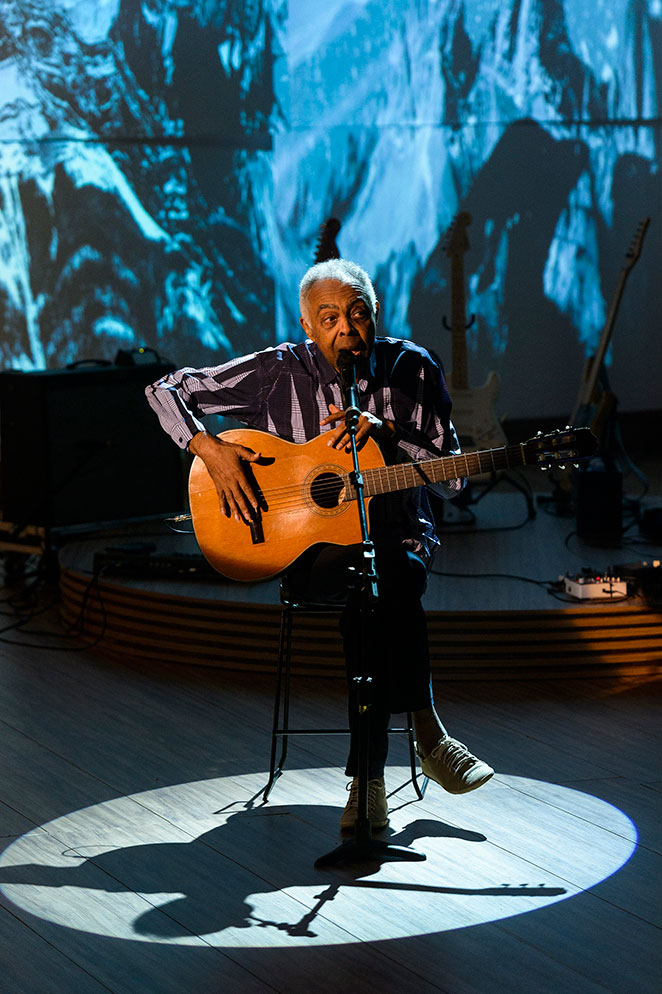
column 353, row 788
column 455, row 755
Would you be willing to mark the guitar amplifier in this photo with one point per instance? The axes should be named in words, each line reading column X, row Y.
column 599, row 506
column 81, row 445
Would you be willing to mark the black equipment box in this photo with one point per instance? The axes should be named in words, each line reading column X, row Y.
column 599, row 506
column 81, row 445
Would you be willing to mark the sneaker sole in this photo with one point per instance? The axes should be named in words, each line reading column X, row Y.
column 461, row 790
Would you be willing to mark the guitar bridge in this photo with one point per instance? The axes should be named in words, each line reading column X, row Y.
column 257, row 533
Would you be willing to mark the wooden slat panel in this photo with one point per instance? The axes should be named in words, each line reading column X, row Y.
column 153, row 625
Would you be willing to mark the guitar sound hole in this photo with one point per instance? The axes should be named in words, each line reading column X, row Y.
column 325, row 490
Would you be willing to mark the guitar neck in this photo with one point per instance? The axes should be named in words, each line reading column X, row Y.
column 459, row 373
column 588, row 389
column 406, row 476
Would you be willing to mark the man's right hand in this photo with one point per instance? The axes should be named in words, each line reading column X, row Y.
column 226, row 464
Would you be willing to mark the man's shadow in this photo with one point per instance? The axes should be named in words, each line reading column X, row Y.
column 212, row 885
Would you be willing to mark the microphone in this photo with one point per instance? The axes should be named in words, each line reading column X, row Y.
column 347, row 363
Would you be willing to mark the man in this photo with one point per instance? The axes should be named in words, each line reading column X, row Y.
column 293, row 391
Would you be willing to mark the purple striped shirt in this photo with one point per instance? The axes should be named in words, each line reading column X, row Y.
column 287, row 390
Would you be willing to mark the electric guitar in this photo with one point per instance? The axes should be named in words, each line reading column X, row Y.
column 595, row 403
column 473, row 414
column 306, row 493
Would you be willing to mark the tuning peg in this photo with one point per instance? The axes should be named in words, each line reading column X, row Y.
column 544, row 468
column 562, row 465
column 575, row 465
column 538, row 434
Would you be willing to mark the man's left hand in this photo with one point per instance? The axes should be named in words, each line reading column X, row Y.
column 369, row 426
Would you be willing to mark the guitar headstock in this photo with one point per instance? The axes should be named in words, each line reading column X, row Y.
column 326, row 241
column 456, row 241
column 634, row 251
column 561, row 446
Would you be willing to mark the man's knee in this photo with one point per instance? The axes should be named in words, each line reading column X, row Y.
column 401, row 572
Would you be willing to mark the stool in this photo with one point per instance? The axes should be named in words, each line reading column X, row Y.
column 293, row 606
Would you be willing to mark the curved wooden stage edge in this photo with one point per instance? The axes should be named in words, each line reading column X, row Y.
column 479, row 625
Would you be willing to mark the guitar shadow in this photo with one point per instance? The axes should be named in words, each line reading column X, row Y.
column 211, row 887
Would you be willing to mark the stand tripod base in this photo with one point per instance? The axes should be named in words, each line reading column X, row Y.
column 365, row 850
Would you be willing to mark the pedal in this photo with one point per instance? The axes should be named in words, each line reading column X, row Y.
column 592, row 586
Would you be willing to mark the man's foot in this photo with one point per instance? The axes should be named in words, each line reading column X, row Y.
column 377, row 806
column 451, row 765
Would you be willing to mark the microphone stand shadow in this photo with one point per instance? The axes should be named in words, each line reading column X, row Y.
column 362, row 847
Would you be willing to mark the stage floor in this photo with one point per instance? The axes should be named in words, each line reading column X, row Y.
column 138, row 856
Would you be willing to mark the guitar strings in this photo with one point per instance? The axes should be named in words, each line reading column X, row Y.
column 288, row 498
column 372, row 475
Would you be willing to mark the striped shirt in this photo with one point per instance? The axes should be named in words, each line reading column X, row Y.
column 287, row 390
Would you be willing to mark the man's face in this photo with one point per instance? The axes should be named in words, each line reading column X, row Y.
column 340, row 316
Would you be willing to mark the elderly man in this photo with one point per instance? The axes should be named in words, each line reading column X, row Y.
column 294, row 391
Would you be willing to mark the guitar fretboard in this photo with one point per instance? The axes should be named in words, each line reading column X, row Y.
column 405, row 476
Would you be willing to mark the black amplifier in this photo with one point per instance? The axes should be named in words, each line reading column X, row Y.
column 81, row 445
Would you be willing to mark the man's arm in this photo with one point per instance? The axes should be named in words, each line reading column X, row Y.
column 226, row 463
column 421, row 406
column 233, row 388
column 181, row 398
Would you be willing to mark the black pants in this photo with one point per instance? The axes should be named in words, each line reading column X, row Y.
column 393, row 632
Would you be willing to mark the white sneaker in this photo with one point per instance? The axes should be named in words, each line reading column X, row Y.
column 377, row 806
column 451, row 765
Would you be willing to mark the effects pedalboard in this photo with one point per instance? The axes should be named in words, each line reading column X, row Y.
column 592, row 586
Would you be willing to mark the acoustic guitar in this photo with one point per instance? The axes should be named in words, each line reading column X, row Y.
column 473, row 414
column 307, row 496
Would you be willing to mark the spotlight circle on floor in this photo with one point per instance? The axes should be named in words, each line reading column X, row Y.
column 167, row 865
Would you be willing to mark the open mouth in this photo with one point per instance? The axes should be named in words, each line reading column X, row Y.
column 360, row 354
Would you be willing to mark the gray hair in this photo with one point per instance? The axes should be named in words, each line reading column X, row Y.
column 336, row 269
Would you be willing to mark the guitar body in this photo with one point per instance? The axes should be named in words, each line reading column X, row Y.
column 474, row 416
column 303, row 491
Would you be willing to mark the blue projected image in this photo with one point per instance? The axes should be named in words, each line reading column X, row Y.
column 165, row 169
column 129, row 132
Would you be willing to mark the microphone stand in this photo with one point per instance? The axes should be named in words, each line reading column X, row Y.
column 362, row 847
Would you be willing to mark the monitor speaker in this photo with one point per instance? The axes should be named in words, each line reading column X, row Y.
column 599, row 506
column 81, row 446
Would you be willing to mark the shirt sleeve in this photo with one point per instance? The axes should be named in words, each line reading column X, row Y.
column 181, row 398
column 424, row 429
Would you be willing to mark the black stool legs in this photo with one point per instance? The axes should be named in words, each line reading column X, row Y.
column 281, row 714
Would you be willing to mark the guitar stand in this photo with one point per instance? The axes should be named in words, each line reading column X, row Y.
column 362, row 847
column 516, row 483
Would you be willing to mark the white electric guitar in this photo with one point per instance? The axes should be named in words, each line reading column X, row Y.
column 473, row 411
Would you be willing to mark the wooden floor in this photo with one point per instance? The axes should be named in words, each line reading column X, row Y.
column 138, row 857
